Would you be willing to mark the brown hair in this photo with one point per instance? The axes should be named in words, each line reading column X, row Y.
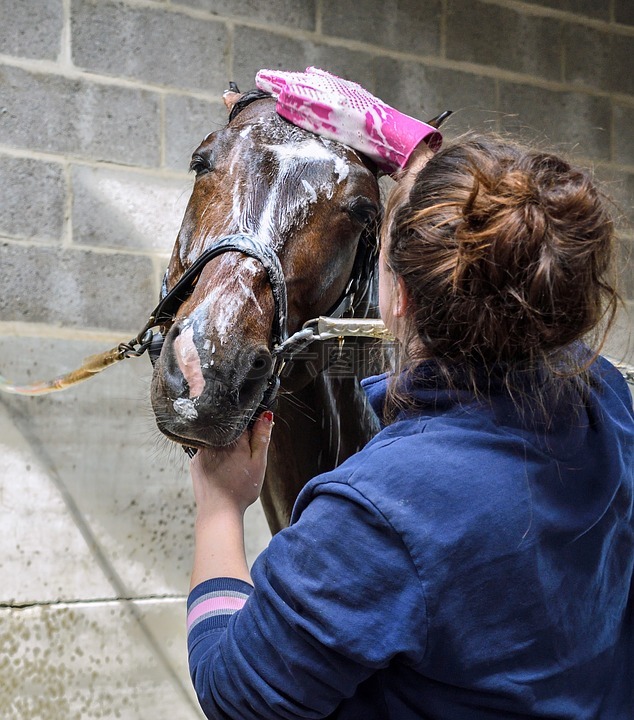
column 506, row 255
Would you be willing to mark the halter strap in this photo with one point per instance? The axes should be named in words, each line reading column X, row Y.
column 282, row 347
column 251, row 246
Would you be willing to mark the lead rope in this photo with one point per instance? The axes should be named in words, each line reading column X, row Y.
column 318, row 329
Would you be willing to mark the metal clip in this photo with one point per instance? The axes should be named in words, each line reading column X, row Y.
column 138, row 345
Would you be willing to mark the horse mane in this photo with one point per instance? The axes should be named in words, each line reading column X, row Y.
column 246, row 99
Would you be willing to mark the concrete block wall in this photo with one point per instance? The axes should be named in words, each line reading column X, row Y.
column 101, row 104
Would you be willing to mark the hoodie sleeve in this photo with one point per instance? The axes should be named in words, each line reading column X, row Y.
column 336, row 598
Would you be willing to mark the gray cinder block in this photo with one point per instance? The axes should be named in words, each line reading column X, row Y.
column 576, row 122
column 623, row 136
column 75, row 288
column 619, row 187
column 289, row 13
column 31, row 29
column 123, row 209
column 187, row 121
column 600, row 59
column 624, row 12
column 83, row 119
column 255, row 49
column 151, row 45
column 423, row 92
column 32, row 199
column 406, row 25
column 625, row 263
column 492, row 35
column 588, row 8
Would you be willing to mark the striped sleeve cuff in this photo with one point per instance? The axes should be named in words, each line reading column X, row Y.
column 213, row 602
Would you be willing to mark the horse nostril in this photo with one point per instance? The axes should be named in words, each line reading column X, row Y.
column 259, row 370
column 260, row 366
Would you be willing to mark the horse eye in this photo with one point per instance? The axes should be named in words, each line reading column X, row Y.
column 363, row 211
column 200, row 165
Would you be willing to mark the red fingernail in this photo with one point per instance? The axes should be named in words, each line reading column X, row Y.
column 268, row 416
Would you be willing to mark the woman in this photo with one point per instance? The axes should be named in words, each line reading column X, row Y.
column 475, row 559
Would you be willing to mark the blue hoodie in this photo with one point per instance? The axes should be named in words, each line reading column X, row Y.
column 465, row 565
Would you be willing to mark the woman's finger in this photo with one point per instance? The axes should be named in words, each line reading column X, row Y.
column 261, row 436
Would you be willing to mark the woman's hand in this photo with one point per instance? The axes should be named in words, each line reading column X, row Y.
column 232, row 477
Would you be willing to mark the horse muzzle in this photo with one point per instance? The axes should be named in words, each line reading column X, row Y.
column 206, row 394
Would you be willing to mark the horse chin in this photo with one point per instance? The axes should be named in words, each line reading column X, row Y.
column 212, row 438
column 219, row 433
column 200, row 422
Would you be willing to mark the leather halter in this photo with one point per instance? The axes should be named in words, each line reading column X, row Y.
column 283, row 347
column 168, row 306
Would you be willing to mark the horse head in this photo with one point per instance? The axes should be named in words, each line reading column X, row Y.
column 304, row 203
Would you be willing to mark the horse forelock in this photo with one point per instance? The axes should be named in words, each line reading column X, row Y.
column 245, row 100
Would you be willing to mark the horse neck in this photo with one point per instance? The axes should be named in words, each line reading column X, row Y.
column 323, row 415
column 317, row 428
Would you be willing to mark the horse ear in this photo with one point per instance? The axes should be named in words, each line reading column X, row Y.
column 420, row 156
column 230, row 98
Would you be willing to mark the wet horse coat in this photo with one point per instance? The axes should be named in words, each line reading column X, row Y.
column 312, row 202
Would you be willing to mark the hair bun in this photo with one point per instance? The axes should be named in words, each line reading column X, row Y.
column 505, row 252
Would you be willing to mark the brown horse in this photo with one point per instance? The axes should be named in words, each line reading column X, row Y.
column 304, row 210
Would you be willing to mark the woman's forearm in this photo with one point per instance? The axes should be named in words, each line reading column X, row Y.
column 219, row 547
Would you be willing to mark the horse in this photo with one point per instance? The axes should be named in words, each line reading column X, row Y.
column 280, row 227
